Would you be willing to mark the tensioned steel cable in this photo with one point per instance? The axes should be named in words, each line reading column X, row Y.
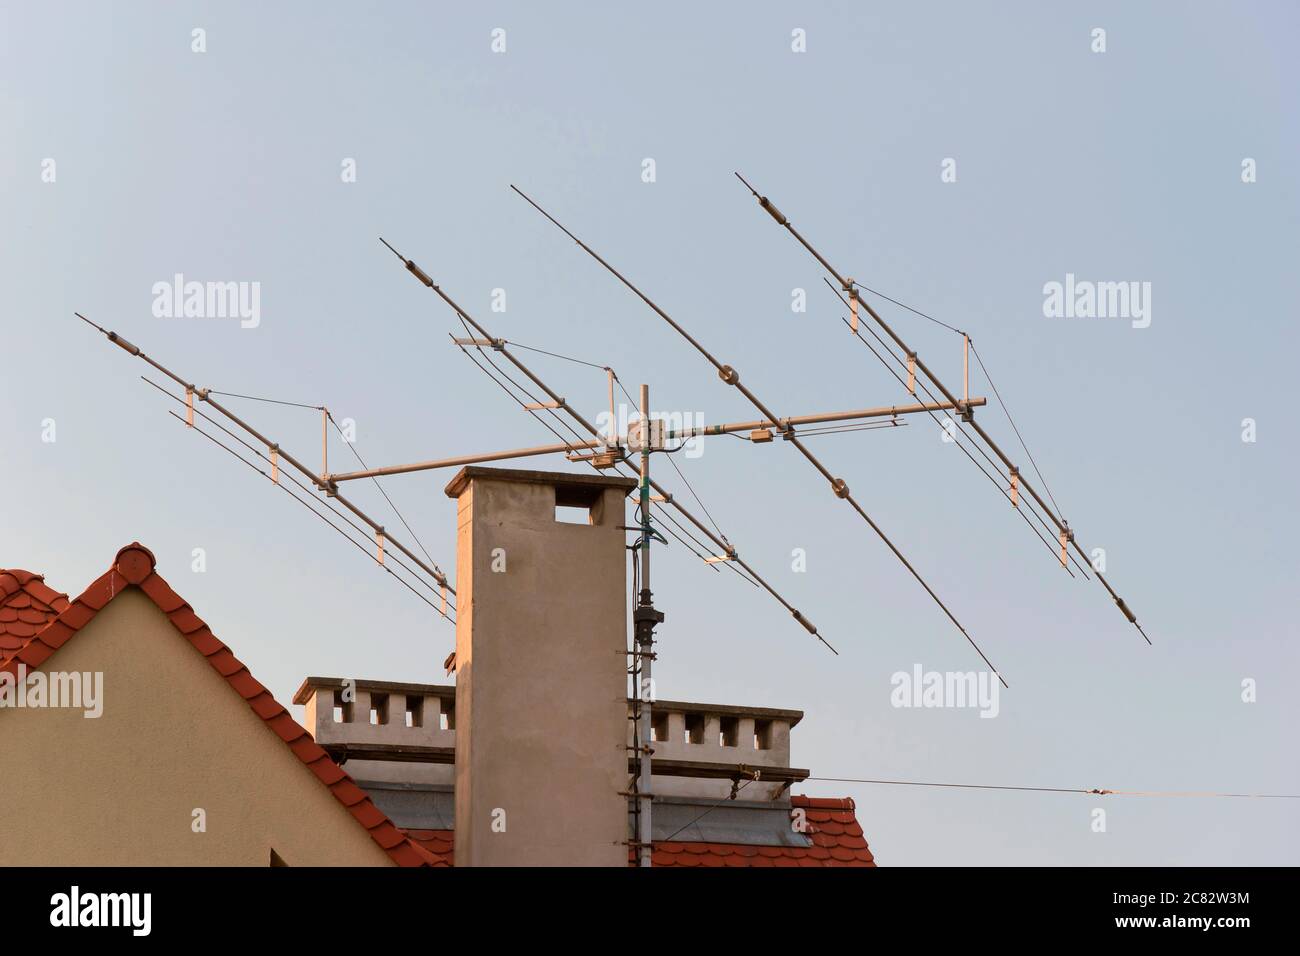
column 732, row 377
column 567, row 358
column 1006, row 411
column 1067, row 534
column 732, row 554
column 1094, row 791
column 375, row 478
column 269, row 401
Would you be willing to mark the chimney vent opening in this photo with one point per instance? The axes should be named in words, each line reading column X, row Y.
column 658, row 725
column 695, row 728
column 414, row 711
column 762, row 735
column 575, row 504
column 572, row 514
column 728, row 731
column 379, row 709
column 342, row 709
column 447, row 719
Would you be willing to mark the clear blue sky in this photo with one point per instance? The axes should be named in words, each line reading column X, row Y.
column 1125, row 165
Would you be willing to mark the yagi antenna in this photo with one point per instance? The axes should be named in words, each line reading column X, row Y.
column 729, row 375
column 668, row 499
column 1065, row 532
column 275, row 454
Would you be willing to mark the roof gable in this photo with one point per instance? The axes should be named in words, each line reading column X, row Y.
column 133, row 567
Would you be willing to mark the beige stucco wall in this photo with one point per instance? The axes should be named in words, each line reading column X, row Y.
column 541, row 685
column 120, row 790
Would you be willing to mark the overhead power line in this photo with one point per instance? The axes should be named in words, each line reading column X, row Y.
column 1093, row 791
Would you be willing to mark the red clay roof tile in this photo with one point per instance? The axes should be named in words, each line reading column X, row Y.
column 348, row 793
column 186, row 621
column 265, row 706
column 246, row 684
column 205, row 642
column 327, row 771
column 226, row 663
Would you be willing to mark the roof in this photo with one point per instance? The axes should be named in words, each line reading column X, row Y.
column 837, row 840
column 133, row 567
column 27, row 604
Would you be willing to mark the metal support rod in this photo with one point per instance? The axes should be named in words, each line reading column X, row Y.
column 613, row 417
column 460, row 460
column 965, row 368
column 1033, row 493
column 885, row 411
column 325, row 443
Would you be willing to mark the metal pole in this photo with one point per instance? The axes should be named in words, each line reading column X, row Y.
column 645, row 618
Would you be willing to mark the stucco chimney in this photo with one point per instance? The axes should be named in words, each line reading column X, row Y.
column 541, row 671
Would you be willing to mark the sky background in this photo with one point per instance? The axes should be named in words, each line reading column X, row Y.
column 1124, row 165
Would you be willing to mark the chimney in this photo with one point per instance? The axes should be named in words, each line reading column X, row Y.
column 541, row 668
